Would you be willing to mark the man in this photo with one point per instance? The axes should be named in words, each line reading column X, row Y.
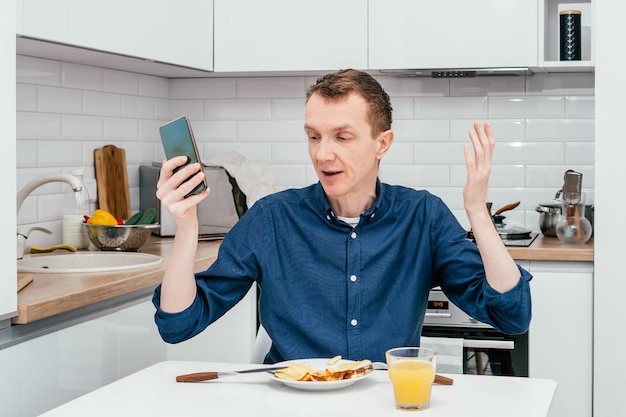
column 344, row 266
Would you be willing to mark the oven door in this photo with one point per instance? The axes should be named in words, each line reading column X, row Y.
column 487, row 351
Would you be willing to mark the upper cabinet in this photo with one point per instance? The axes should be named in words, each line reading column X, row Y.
column 179, row 33
column 447, row 34
column 284, row 35
column 549, row 35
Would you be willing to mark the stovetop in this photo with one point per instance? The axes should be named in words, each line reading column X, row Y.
column 521, row 243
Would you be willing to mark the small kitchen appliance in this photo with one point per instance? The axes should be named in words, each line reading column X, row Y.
column 217, row 213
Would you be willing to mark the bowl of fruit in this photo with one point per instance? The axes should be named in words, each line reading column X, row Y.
column 108, row 233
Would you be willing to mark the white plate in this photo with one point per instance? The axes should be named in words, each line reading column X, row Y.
column 319, row 364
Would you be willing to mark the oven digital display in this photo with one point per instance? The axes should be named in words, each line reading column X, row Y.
column 438, row 305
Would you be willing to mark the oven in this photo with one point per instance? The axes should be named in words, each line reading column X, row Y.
column 486, row 351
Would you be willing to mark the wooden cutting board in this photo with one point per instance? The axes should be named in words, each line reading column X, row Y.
column 112, row 181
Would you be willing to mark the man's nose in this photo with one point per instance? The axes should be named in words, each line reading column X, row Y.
column 325, row 150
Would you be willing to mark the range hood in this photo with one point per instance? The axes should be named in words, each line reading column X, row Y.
column 457, row 72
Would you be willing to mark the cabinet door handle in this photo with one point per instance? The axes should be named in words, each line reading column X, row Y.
column 439, row 315
column 489, row 344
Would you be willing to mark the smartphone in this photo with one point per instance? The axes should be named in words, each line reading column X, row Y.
column 177, row 138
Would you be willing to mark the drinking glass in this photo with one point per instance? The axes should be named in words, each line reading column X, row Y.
column 412, row 372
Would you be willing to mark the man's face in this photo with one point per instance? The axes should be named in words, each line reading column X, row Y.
column 341, row 147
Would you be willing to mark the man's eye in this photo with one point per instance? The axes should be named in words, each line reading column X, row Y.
column 313, row 137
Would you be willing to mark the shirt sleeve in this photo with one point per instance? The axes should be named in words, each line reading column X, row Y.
column 461, row 275
column 218, row 288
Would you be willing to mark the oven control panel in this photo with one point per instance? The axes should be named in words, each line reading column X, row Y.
column 442, row 312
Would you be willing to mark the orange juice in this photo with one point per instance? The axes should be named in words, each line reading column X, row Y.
column 412, row 381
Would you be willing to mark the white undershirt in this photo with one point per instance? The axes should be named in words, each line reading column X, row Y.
column 352, row 221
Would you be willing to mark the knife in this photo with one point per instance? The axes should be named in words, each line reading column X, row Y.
column 207, row 376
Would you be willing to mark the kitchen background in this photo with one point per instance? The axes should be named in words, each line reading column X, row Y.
column 544, row 125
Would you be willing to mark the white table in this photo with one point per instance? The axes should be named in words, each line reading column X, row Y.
column 154, row 392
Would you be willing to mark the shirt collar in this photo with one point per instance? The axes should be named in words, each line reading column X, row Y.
column 328, row 212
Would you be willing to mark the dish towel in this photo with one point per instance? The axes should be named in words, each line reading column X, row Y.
column 256, row 180
column 449, row 353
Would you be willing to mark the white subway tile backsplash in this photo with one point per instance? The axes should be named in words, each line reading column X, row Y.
column 59, row 154
column 38, row 125
column 237, row 109
column 579, row 130
column 37, row 71
column 102, row 104
column 290, row 153
column 580, row 106
column 138, row 107
column 203, row 88
column 193, row 109
column 399, row 153
column 564, row 83
column 543, row 125
column 121, row 82
column 254, row 152
column 115, row 128
column 488, row 86
column 578, row 153
column 287, row 109
column 527, row 107
column 26, row 153
column 271, row 130
column 82, row 127
column 438, row 153
column 151, row 86
column 83, row 77
column 451, row 107
column 222, row 131
column 59, row 100
column 271, row 87
column 26, row 97
column 402, row 109
column 529, row 153
column 421, row 130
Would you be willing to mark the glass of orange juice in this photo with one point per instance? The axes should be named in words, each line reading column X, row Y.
column 412, row 372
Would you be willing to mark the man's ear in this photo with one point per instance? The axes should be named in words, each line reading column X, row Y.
column 385, row 139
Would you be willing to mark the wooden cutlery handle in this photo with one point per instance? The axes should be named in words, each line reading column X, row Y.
column 197, row 377
column 443, row 380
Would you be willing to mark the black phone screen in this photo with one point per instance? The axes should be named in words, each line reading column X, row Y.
column 178, row 140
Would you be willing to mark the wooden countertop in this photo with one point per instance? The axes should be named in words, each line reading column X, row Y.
column 51, row 294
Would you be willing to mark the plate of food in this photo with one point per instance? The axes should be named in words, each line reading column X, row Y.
column 322, row 374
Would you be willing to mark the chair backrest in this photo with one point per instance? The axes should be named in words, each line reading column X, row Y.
column 262, row 345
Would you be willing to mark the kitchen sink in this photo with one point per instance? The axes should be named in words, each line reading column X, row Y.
column 86, row 262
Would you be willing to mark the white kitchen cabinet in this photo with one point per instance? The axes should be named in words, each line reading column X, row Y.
column 447, row 34
column 284, row 35
column 179, row 33
column 49, row 370
column 561, row 333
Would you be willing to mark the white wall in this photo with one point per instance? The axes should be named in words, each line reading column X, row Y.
column 544, row 124
column 609, row 280
column 8, row 286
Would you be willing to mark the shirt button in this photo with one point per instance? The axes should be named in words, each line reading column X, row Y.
column 328, row 217
column 352, row 278
column 353, row 322
column 372, row 216
column 353, row 235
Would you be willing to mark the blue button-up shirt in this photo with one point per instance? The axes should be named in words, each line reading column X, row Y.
column 329, row 289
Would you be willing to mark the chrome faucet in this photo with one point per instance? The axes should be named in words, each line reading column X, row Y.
column 24, row 231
